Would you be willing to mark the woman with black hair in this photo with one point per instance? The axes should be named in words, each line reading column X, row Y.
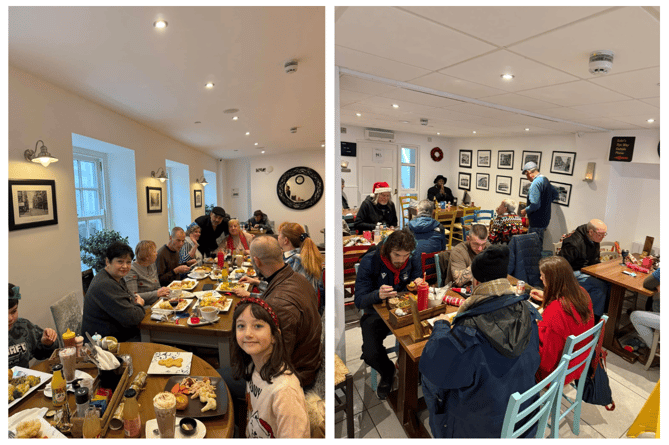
column 109, row 307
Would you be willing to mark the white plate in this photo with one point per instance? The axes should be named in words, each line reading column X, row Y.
column 78, row 374
column 197, row 276
column 244, row 286
column 191, row 287
column 203, row 322
column 247, row 264
column 157, row 309
column 203, row 293
column 155, row 368
column 35, row 413
column 226, row 306
column 20, row 372
column 152, row 424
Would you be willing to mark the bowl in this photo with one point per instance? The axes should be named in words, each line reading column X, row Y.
column 109, row 378
column 209, row 313
column 187, row 425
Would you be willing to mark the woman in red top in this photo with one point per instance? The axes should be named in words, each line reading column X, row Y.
column 567, row 310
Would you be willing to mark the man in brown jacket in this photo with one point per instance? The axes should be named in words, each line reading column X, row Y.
column 295, row 302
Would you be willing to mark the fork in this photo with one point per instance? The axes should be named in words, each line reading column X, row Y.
column 11, row 434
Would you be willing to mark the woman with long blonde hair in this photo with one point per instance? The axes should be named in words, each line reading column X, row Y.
column 301, row 253
column 567, row 310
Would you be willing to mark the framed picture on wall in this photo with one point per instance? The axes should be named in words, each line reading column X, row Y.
column 32, row 203
column 564, row 193
column 483, row 158
column 464, row 181
column 505, row 159
column 197, row 198
column 482, row 181
column 524, row 187
column 531, row 156
column 563, row 162
column 503, row 185
column 154, row 199
column 465, row 158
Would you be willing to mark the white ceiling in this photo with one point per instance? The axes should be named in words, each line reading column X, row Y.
column 115, row 57
column 464, row 50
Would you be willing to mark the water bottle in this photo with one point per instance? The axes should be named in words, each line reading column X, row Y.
column 377, row 233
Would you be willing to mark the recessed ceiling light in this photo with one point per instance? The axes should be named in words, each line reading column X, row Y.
column 358, row 114
column 650, row 121
column 160, row 24
column 395, row 106
column 438, row 134
column 507, row 76
column 263, row 152
column 209, row 85
column 235, row 118
column 474, row 131
column 323, row 145
column 255, row 143
column 527, row 129
column 248, row 133
column 404, row 122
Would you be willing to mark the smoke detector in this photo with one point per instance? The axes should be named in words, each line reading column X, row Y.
column 290, row 66
column 293, row 130
column 423, row 121
column 601, row 62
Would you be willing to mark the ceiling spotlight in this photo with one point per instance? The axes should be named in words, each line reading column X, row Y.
column 507, row 76
column 209, row 85
column 438, row 134
column 395, row 106
column 474, row 131
column 527, row 129
column 160, row 24
column 404, row 122
column 235, row 118
column 248, row 133
column 323, row 145
column 358, row 114
column 255, row 143
column 650, row 121
column 263, row 152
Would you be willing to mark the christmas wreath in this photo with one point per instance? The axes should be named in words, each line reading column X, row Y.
column 436, row 154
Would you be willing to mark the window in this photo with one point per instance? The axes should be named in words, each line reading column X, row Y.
column 408, row 169
column 210, row 189
column 179, row 195
column 89, row 184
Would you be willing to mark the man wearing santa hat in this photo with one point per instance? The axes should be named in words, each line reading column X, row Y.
column 376, row 208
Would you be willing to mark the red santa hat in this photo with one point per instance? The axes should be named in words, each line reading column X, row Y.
column 381, row 187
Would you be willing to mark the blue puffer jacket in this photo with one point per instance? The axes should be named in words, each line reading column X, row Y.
column 524, row 257
column 470, row 370
column 428, row 239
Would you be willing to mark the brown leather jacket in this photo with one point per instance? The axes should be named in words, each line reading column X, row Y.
column 295, row 302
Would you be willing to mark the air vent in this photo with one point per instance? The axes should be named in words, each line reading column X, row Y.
column 377, row 134
column 343, row 130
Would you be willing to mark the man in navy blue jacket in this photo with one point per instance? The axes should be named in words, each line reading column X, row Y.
column 382, row 273
column 539, row 199
column 491, row 351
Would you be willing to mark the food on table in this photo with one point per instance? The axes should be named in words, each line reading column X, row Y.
column 211, row 404
column 187, row 284
column 217, row 302
column 227, row 286
column 20, row 385
column 198, row 388
column 11, row 375
column 10, row 392
column 176, row 285
column 182, row 401
column 169, row 362
column 165, row 304
column 411, row 286
column 202, row 269
column 29, row 429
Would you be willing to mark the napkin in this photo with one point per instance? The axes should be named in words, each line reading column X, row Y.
column 106, row 359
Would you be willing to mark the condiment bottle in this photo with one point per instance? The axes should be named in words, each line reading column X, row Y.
column 82, row 400
column 79, row 341
column 91, row 428
column 68, row 339
column 221, row 259
column 421, row 301
column 131, row 421
column 58, row 386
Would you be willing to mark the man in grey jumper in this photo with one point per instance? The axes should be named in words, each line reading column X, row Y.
column 167, row 263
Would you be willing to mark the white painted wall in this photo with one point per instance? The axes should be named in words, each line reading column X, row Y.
column 40, row 110
column 257, row 190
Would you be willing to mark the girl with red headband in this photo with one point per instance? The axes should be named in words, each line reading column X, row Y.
column 275, row 400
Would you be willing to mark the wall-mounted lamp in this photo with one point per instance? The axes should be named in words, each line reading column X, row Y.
column 344, row 167
column 162, row 177
column 590, row 172
column 203, row 182
column 44, row 157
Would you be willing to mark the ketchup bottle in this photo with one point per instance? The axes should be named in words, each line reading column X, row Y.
column 421, row 301
column 221, row 259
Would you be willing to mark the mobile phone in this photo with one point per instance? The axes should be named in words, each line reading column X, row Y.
column 208, row 286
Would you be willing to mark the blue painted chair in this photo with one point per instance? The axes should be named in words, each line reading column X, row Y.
column 484, row 216
column 467, row 222
column 575, row 403
column 538, row 411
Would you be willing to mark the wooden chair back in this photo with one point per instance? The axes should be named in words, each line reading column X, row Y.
column 428, row 267
column 352, row 255
column 404, row 207
column 447, row 219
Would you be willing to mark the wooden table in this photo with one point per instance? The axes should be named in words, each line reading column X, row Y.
column 217, row 335
column 404, row 400
column 611, row 271
column 142, row 354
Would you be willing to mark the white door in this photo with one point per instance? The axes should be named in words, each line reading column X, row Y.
column 377, row 162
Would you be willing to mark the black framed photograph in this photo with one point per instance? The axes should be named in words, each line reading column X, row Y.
column 483, row 158
column 564, row 193
column 524, row 187
column 503, row 185
column 563, row 162
column 465, row 158
column 505, row 159
column 482, row 181
column 154, row 199
column 531, row 156
column 197, row 198
column 32, row 203
column 464, row 181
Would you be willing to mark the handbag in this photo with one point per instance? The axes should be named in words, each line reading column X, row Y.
column 596, row 389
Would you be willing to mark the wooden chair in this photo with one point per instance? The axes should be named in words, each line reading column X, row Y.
column 447, row 219
column 86, row 278
column 458, row 226
column 484, row 216
column 429, row 269
column 653, row 349
column 540, row 409
column 465, row 224
column 344, row 383
column 404, row 207
column 352, row 256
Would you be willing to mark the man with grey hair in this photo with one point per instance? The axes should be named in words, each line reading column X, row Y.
column 506, row 224
column 430, row 235
column 167, row 263
column 539, row 199
column 460, row 261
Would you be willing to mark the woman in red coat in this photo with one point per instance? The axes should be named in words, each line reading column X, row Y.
column 567, row 310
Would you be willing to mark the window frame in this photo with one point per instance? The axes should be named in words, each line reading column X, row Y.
column 416, row 165
column 101, row 164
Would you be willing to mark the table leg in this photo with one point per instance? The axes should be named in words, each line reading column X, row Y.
column 615, row 309
column 224, row 353
column 404, row 401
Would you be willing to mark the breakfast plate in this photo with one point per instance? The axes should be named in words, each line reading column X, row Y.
column 164, row 305
column 183, row 285
column 227, row 286
column 222, row 304
column 47, row 431
column 18, row 372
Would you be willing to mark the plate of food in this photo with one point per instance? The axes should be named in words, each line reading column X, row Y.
column 208, row 260
column 202, row 269
column 222, row 304
column 78, row 374
column 183, row 285
column 202, row 396
column 197, row 275
column 227, row 286
column 216, row 274
column 23, row 381
column 151, row 427
column 30, row 423
column 164, row 305
column 171, row 363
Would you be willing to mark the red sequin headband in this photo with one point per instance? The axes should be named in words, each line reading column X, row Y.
column 263, row 304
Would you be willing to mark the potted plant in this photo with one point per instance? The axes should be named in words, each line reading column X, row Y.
column 93, row 248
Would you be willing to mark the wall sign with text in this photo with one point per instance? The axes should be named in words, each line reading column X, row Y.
column 622, row 148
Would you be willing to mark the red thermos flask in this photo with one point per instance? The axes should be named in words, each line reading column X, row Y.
column 421, row 301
